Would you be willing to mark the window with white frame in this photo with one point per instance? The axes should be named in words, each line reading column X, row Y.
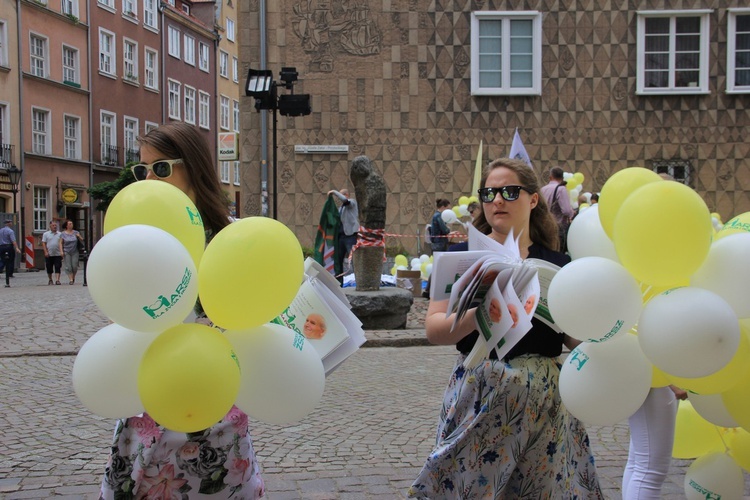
column 4, row 130
column 108, row 137
column 106, row 52
column 130, row 135
column 71, row 137
column 204, row 110
column 506, row 53
column 186, row 9
column 149, row 13
column 151, row 67
column 174, row 41
column 130, row 59
column 38, row 52
column 189, row 55
column 203, row 57
column 41, row 208
column 3, row 43
column 738, row 51
column 679, row 170
column 230, row 30
column 189, row 104
column 149, row 126
column 107, row 3
column 235, row 70
column 672, row 52
column 224, row 110
column 69, row 8
column 223, row 64
column 236, row 114
column 174, row 99
column 70, row 64
column 236, row 173
column 129, row 8
column 225, row 172
column 40, row 128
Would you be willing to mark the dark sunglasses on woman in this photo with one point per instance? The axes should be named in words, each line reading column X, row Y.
column 509, row 193
column 161, row 169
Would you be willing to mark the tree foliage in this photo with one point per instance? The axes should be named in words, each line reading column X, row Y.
column 104, row 192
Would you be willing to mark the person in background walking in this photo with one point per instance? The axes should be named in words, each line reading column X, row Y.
column 349, row 214
column 558, row 201
column 52, row 256
column 439, row 229
column 69, row 239
column 147, row 460
column 8, row 249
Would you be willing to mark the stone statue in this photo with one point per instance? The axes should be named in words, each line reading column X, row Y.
column 369, row 189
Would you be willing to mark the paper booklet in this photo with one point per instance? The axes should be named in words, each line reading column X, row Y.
column 505, row 290
column 334, row 331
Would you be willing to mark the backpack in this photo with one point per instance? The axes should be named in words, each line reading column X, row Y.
column 428, row 233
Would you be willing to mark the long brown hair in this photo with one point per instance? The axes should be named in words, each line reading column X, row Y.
column 542, row 225
column 179, row 140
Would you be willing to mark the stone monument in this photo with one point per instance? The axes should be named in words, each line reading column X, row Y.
column 376, row 308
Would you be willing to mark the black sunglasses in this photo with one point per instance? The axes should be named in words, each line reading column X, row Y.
column 509, row 193
column 161, row 168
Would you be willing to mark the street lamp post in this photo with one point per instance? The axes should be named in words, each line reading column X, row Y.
column 14, row 175
column 261, row 86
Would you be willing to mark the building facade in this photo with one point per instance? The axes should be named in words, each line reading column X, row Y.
column 416, row 85
column 10, row 105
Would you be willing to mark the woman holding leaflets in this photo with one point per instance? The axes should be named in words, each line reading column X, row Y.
column 503, row 430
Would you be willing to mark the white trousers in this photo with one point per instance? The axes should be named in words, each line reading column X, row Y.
column 651, row 440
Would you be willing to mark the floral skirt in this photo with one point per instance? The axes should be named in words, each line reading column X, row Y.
column 504, row 433
column 150, row 462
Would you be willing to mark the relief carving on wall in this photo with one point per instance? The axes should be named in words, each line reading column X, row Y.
column 325, row 27
column 408, row 176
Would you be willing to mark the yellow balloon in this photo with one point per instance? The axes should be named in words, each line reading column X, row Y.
column 662, row 233
column 394, row 270
column 189, row 377
column 617, row 189
column 739, row 224
column 739, row 446
column 464, row 200
column 717, row 216
column 473, row 199
column 401, row 260
column 658, row 378
column 723, row 380
column 578, row 176
column 694, row 435
column 737, row 402
column 457, row 210
column 250, row 272
column 156, row 203
column 571, row 184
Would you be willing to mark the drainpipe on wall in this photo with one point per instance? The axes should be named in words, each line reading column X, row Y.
column 263, row 118
column 90, row 231
column 21, row 159
column 163, row 62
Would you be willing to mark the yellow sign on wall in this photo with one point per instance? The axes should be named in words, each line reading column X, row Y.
column 69, row 195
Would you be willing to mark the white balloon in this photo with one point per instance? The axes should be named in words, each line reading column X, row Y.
column 142, row 278
column 105, row 372
column 714, row 475
column 463, row 210
column 711, row 407
column 424, row 258
column 594, row 299
column 428, row 270
column 602, row 384
column 586, row 237
column 449, row 216
column 415, row 264
column 724, row 271
column 282, row 377
column 688, row 332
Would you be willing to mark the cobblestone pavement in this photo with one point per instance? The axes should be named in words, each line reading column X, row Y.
column 367, row 439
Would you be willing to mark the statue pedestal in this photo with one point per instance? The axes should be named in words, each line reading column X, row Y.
column 384, row 309
column 368, row 264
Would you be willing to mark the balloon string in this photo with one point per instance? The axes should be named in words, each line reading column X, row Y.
column 721, row 436
column 648, row 289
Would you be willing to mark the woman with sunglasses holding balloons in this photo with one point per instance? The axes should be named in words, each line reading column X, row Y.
column 148, row 460
column 503, row 431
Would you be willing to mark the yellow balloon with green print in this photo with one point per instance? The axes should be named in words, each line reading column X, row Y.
column 617, row 188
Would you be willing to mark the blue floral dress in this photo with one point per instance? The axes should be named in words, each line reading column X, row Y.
column 504, row 433
column 151, row 462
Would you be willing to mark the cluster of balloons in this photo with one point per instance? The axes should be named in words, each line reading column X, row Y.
column 423, row 263
column 659, row 297
column 146, row 273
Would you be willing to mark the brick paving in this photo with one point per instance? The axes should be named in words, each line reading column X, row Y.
column 367, row 438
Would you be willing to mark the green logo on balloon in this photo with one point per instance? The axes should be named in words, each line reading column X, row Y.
column 578, row 357
column 195, row 217
column 164, row 304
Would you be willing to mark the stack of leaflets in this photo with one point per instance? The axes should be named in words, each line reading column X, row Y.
column 322, row 313
column 506, row 291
